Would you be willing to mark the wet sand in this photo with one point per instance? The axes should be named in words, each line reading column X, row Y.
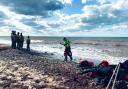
column 30, row 70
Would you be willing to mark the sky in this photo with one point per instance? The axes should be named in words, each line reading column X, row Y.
column 80, row 18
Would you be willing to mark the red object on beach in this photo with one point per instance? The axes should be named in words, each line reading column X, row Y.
column 90, row 63
column 104, row 63
column 80, row 61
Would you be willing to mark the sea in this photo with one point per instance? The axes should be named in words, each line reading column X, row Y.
column 96, row 49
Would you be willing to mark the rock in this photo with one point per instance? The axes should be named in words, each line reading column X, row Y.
column 15, row 68
column 25, row 77
column 59, row 87
column 10, row 74
column 37, row 81
column 45, row 81
column 1, row 83
column 4, row 78
column 58, row 78
column 1, row 87
column 5, row 84
column 39, row 86
column 16, row 86
column 25, row 87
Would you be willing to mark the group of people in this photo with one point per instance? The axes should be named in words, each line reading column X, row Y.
column 18, row 41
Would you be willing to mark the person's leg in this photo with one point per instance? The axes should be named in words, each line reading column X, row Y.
column 14, row 45
column 18, row 45
column 70, row 55
column 66, row 58
column 22, row 44
column 27, row 47
column 65, row 54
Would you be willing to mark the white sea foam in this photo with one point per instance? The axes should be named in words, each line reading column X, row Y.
column 84, row 53
column 79, row 51
column 5, row 42
column 36, row 41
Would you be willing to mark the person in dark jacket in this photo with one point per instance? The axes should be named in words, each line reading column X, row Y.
column 18, row 40
column 21, row 40
column 28, row 41
column 13, row 39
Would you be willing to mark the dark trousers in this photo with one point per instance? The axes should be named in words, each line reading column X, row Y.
column 21, row 45
column 67, row 53
column 28, row 47
column 13, row 45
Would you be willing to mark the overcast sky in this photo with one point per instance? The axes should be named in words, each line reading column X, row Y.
column 64, row 17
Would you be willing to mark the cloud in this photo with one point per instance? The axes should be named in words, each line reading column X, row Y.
column 47, row 17
column 83, row 1
column 2, row 15
column 33, row 7
column 67, row 1
column 105, row 14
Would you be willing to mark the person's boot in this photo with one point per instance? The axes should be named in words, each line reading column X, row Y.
column 65, row 59
column 70, row 58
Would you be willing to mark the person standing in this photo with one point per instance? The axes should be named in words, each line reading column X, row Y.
column 21, row 40
column 67, row 51
column 13, row 39
column 18, row 40
column 28, row 41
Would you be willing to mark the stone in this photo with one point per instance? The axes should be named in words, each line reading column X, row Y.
column 16, row 86
column 37, row 81
column 39, row 86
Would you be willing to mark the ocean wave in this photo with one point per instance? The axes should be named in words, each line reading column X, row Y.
column 37, row 41
column 117, row 44
column 89, row 43
column 5, row 42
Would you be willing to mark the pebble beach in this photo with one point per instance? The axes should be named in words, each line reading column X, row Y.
column 28, row 70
